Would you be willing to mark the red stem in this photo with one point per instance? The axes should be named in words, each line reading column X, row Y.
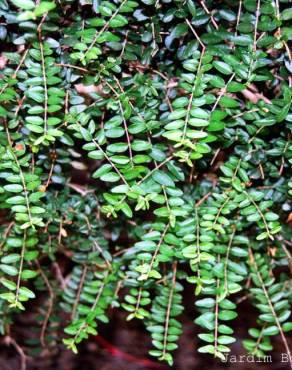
column 116, row 352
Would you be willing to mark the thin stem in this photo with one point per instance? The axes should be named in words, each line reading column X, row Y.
column 289, row 256
column 261, row 214
column 271, row 306
column 169, row 308
column 209, row 13
column 107, row 158
column 254, row 48
column 10, row 341
column 20, row 174
column 256, row 25
column 195, row 34
column 187, row 115
column 166, row 198
column 156, row 251
column 220, row 210
column 102, row 30
column 5, row 234
column 222, row 92
column 236, row 169
column 50, row 306
column 155, row 169
column 16, row 70
column 227, row 259
column 111, row 163
column 138, row 301
column 198, row 240
column 283, row 156
column 131, row 105
column 216, row 317
column 80, row 286
column 50, row 173
column 238, row 16
column 96, row 245
column 260, row 337
column 84, row 324
column 127, row 133
column 72, row 66
column 45, row 84
column 20, row 267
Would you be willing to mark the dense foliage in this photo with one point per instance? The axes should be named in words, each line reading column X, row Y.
column 144, row 146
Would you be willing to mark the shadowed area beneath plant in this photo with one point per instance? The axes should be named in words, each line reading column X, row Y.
column 124, row 346
column 145, row 184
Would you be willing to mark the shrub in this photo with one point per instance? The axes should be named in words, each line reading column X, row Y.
column 148, row 145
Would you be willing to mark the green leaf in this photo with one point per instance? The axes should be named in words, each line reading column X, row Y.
column 287, row 326
column 205, row 303
column 126, row 209
column 24, row 4
column 110, row 177
column 35, row 128
column 44, row 7
column 226, row 339
column 206, row 320
column 24, row 291
column 8, row 284
column 227, row 171
column 207, row 349
column 239, row 252
column 13, row 188
column 85, row 134
column 271, row 330
column 9, row 270
column 140, row 145
column 222, row 67
column 102, row 171
column 10, row 258
column 118, row 21
column 286, row 14
column 28, row 274
column 162, row 178
column 207, row 337
column 226, row 315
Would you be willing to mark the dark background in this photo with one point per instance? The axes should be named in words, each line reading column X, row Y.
column 124, row 345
